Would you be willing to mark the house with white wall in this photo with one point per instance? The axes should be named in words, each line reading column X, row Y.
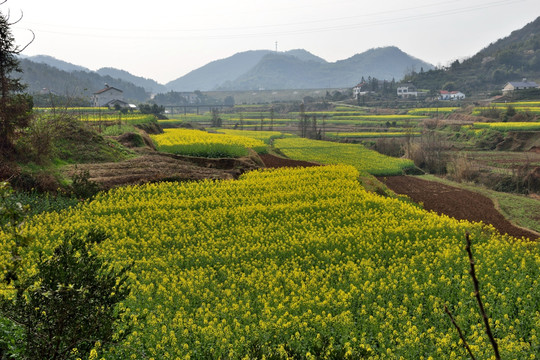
column 407, row 91
column 451, row 95
column 106, row 95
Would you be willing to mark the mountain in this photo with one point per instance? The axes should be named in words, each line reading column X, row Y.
column 213, row 74
column 59, row 64
column 288, row 71
column 511, row 58
column 304, row 55
column 42, row 78
column 150, row 85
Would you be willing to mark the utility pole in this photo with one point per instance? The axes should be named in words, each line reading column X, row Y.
column 276, row 46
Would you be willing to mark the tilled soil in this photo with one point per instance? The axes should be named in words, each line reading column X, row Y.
column 272, row 161
column 154, row 167
column 457, row 203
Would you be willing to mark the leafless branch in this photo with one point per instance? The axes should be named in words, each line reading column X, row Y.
column 479, row 299
column 15, row 22
column 465, row 344
column 28, row 44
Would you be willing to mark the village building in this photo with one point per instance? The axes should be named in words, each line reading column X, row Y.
column 357, row 90
column 451, row 95
column 407, row 91
column 106, row 95
column 519, row 85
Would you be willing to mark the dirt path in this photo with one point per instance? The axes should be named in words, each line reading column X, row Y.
column 454, row 202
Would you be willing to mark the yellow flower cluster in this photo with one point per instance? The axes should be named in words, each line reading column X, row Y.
column 264, row 136
column 201, row 143
column 300, row 263
column 372, row 134
column 513, row 126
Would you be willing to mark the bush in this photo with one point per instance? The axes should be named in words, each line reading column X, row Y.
column 69, row 306
column 82, row 187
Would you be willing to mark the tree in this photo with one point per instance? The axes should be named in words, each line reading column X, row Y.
column 216, row 119
column 15, row 107
column 70, row 303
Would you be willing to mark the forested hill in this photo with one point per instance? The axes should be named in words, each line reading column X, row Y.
column 41, row 77
column 512, row 58
column 297, row 69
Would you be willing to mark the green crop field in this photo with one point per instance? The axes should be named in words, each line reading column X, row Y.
column 326, row 152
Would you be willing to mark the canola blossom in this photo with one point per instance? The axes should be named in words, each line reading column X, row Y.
column 372, row 134
column 299, row 264
column 204, row 144
column 510, row 126
column 326, row 152
column 264, row 136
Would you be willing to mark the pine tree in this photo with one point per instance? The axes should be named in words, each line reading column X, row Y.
column 15, row 107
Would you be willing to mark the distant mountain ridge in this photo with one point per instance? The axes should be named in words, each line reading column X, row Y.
column 44, row 78
column 150, row 85
column 265, row 69
column 256, row 69
column 509, row 59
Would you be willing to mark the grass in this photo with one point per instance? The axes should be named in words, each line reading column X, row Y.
column 521, row 210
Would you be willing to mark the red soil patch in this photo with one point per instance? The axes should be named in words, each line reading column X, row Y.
column 272, row 161
column 457, row 203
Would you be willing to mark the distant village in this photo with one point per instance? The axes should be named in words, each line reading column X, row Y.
column 113, row 98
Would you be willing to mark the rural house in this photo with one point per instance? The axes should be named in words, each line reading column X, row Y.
column 451, row 95
column 519, row 85
column 357, row 90
column 406, row 91
column 104, row 96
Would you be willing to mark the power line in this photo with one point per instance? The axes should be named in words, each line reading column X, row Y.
column 192, row 34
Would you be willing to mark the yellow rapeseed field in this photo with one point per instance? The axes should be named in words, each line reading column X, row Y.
column 299, row 264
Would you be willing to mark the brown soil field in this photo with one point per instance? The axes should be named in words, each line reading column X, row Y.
column 454, row 202
column 272, row 161
column 151, row 166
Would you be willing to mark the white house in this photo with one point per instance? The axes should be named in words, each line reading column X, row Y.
column 106, row 95
column 519, row 85
column 406, row 91
column 357, row 90
column 451, row 95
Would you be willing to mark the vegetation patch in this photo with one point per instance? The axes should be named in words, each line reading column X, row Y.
column 326, row 152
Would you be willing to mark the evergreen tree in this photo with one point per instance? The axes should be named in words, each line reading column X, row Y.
column 15, row 107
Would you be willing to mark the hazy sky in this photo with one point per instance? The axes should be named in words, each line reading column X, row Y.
column 165, row 39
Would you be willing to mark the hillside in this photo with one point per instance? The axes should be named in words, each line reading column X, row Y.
column 54, row 62
column 149, row 85
column 512, row 58
column 40, row 76
column 297, row 69
column 213, row 74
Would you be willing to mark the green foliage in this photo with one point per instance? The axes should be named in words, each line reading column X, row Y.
column 82, row 187
column 15, row 107
column 70, row 304
column 151, row 109
column 12, row 215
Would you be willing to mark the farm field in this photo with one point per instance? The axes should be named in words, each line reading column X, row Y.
column 300, row 263
column 326, row 152
column 204, row 144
